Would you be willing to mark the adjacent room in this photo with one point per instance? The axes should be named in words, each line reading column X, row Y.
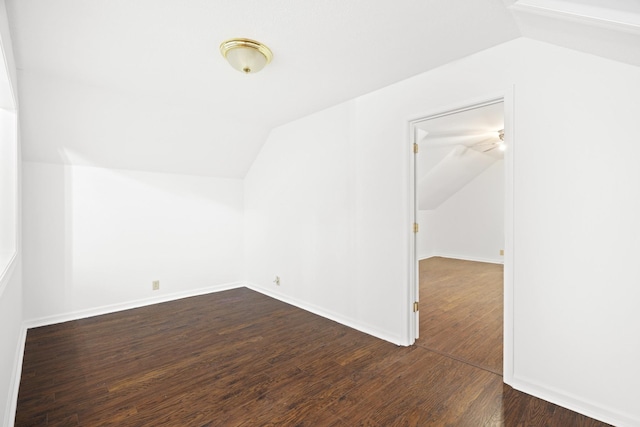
column 208, row 212
column 460, row 202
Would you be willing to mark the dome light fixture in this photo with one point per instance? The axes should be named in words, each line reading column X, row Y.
column 246, row 55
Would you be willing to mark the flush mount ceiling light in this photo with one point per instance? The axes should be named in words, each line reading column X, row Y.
column 246, row 55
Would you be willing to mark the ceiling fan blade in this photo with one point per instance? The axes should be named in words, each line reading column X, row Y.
column 466, row 140
column 488, row 141
column 490, row 148
column 457, row 133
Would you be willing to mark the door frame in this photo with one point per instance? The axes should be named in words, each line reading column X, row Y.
column 507, row 97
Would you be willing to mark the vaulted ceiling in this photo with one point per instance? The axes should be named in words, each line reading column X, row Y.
column 142, row 85
column 454, row 150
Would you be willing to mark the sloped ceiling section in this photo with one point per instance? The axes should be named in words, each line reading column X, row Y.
column 454, row 150
column 457, row 169
column 142, row 85
column 607, row 28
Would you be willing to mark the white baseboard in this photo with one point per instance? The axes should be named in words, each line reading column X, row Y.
column 328, row 315
column 424, row 256
column 14, row 385
column 574, row 403
column 464, row 258
column 112, row 308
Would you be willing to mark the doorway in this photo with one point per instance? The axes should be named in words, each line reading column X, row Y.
column 462, row 182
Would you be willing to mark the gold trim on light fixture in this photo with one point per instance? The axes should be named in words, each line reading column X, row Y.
column 246, row 55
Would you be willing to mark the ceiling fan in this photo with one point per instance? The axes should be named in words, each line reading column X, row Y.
column 492, row 144
column 479, row 141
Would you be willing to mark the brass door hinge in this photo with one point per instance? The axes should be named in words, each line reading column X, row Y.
column 415, row 147
column 416, row 227
column 416, row 307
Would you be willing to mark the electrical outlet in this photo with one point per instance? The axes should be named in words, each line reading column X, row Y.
column 155, row 285
column 501, row 251
column 277, row 281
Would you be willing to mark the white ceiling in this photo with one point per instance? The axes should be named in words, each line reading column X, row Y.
column 608, row 28
column 141, row 84
column 454, row 150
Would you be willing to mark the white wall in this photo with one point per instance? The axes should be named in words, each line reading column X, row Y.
column 576, row 234
column 11, row 313
column 426, row 245
column 469, row 224
column 299, row 210
column 95, row 239
column 327, row 209
column 12, row 338
column 8, row 186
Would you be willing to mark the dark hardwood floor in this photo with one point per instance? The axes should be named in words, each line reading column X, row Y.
column 461, row 310
column 239, row 358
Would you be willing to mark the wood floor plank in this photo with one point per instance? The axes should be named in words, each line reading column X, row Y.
column 461, row 310
column 239, row 358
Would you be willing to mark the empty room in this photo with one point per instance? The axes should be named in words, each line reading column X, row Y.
column 326, row 214
column 460, row 200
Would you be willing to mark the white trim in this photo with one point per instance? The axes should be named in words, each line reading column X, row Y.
column 7, row 259
column 507, row 98
column 458, row 107
column 413, row 295
column 7, row 67
column 464, row 258
column 112, row 308
column 569, row 401
column 14, row 384
column 509, row 236
column 617, row 20
column 13, row 108
column 6, row 273
column 326, row 314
